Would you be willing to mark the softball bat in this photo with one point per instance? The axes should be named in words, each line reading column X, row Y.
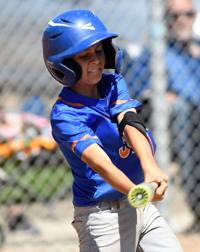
column 141, row 195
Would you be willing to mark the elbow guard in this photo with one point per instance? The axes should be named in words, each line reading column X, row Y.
column 134, row 120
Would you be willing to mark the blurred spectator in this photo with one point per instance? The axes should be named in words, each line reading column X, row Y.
column 21, row 135
column 24, row 136
column 19, row 221
column 182, row 60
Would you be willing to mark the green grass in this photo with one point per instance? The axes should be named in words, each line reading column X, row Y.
column 44, row 183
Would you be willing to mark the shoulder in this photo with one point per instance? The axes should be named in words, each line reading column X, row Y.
column 63, row 111
column 116, row 83
column 65, row 120
column 108, row 82
column 111, row 79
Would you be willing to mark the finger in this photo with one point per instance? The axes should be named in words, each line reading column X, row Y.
column 166, row 178
column 163, row 179
column 162, row 188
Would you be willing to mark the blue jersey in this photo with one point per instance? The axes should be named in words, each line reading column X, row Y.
column 79, row 121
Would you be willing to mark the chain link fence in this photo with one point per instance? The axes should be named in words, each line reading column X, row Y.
column 164, row 76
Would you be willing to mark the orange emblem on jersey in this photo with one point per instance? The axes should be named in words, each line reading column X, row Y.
column 124, row 151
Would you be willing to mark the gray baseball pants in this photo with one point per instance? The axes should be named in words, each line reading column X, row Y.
column 114, row 226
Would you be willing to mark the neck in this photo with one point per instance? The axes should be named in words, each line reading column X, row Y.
column 89, row 91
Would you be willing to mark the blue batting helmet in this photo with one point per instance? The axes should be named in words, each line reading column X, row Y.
column 70, row 33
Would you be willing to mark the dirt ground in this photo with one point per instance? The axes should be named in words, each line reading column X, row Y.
column 57, row 235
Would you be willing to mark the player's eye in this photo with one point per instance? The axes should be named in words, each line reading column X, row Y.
column 99, row 50
column 90, row 54
column 85, row 57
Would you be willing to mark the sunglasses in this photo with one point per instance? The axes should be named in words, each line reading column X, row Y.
column 176, row 15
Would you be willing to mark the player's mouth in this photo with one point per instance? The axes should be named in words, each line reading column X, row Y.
column 94, row 70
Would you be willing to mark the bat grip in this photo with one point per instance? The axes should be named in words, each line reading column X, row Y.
column 154, row 185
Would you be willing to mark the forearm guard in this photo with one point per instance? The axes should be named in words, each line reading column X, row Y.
column 134, row 120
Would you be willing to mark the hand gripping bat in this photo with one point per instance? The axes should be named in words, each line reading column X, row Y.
column 140, row 195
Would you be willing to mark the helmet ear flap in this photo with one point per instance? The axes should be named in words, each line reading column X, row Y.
column 74, row 68
column 113, row 55
column 118, row 60
column 68, row 72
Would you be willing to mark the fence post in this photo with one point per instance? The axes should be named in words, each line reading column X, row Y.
column 160, row 113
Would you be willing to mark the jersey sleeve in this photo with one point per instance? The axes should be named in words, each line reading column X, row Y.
column 69, row 132
column 120, row 99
